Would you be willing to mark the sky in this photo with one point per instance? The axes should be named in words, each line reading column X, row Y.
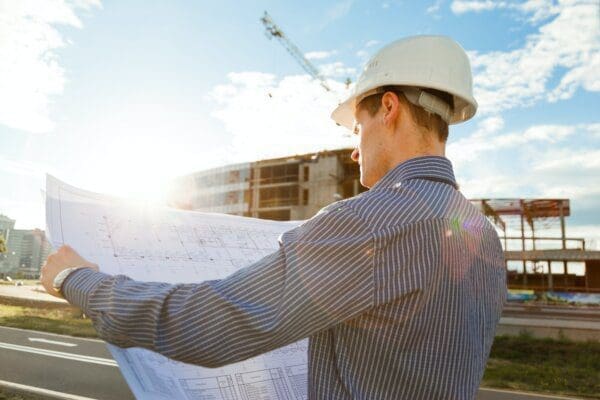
column 121, row 97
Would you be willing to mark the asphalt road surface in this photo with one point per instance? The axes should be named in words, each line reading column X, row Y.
column 84, row 367
column 60, row 363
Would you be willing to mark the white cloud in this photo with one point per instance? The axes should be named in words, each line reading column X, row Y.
column 461, row 7
column 270, row 117
column 491, row 124
column 319, row 55
column 569, row 41
column 564, row 160
column 30, row 72
column 593, row 130
column 585, row 75
column 487, row 138
column 371, row 43
column 337, row 70
column 538, row 9
column 434, row 8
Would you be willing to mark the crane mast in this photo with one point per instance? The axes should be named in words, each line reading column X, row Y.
column 273, row 31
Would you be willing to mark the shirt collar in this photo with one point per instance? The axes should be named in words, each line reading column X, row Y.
column 436, row 168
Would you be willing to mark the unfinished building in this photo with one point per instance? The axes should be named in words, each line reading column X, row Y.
column 541, row 261
column 287, row 188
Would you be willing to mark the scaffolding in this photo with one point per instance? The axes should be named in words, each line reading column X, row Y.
column 533, row 232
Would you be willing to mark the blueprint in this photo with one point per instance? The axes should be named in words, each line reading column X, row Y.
column 151, row 243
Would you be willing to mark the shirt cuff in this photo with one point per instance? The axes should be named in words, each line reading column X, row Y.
column 80, row 284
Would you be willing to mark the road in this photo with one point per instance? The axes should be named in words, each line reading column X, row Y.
column 570, row 313
column 60, row 363
column 83, row 367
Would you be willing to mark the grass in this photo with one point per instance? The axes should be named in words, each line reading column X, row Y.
column 544, row 365
column 4, row 395
column 26, row 282
column 62, row 321
column 7, row 395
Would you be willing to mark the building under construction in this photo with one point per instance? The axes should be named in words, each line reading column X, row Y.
column 537, row 249
column 539, row 254
column 288, row 188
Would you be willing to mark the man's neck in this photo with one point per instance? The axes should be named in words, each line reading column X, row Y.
column 433, row 149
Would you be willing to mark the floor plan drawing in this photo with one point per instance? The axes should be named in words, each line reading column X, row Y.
column 167, row 245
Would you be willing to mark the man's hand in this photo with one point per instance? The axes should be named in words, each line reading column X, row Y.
column 65, row 257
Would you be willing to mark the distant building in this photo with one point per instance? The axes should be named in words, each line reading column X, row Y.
column 287, row 188
column 26, row 250
column 33, row 251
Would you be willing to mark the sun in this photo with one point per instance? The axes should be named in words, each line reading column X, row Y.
column 135, row 169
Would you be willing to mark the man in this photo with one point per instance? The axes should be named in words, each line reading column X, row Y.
column 398, row 289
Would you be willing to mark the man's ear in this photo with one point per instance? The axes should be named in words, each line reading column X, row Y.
column 390, row 104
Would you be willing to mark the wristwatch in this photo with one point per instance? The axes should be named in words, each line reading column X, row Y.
column 60, row 278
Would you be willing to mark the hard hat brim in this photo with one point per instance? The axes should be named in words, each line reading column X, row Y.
column 344, row 113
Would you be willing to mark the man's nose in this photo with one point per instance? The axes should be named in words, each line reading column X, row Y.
column 355, row 155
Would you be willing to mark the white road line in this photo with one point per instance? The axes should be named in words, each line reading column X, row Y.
column 545, row 396
column 59, row 354
column 34, row 332
column 40, row 391
column 33, row 339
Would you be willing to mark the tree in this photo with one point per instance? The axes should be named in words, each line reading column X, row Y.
column 2, row 244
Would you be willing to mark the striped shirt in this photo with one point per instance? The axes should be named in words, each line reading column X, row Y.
column 398, row 289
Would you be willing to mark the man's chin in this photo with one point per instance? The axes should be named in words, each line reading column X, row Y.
column 365, row 182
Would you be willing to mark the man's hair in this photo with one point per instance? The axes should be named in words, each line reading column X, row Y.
column 429, row 121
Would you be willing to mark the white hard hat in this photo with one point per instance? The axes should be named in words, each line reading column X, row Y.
column 433, row 62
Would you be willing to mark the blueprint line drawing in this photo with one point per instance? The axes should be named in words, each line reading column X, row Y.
column 150, row 243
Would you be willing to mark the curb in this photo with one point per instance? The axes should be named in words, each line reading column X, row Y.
column 36, row 393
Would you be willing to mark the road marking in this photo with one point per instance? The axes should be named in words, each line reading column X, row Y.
column 59, row 354
column 41, row 391
column 545, row 396
column 31, row 331
column 33, row 339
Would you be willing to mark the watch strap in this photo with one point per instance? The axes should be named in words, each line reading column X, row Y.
column 60, row 278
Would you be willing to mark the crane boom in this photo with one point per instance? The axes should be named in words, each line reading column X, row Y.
column 273, row 31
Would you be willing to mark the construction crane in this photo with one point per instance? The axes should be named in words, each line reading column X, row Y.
column 273, row 31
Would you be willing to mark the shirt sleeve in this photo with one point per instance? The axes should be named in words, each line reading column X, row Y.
column 321, row 275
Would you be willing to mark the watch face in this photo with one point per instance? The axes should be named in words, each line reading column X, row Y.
column 57, row 281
